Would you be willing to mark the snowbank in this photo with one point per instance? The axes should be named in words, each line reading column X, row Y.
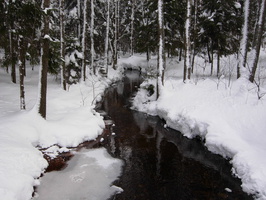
column 228, row 117
column 71, row 120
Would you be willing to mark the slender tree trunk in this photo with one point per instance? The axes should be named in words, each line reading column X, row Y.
column 187, row 60
column 180, row 54
column 84, row 42
column 218, row 63
column 147, row 53
column 256, row 26
column 194, row 34
column 12, row 52
column 261, row 23
column 242, row 54
column 161, row 55
column 79, row 21
column 115, row 53
column 21, row 72
column 92, row 37
column 62, row 44
column 44, row 61
column 132, row 27
column 107, row 37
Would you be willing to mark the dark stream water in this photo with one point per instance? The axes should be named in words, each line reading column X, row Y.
column 159, row 163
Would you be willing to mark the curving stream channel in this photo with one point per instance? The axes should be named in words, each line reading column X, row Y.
column 160, row 163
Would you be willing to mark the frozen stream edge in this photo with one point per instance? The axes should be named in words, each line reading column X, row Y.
column 89, row 175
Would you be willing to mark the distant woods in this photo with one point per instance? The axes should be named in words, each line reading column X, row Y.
column 76, row 38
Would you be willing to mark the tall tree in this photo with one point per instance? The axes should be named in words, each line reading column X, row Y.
column 79, row 21
column 84, row 41
column 62, row 43
column 107, row 37
column 92, row 37
column 11, row 19
column 187, row 60
column 133, row 5
column 116, row 28
column 257, row 46
column 242, row 55
column 161, row 54
column 41, row 101
column 21, row 72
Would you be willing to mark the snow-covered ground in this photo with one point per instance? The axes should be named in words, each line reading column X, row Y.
column 71, row 120
column 226, row 113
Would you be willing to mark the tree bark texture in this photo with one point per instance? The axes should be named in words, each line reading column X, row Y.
column 261, row 23
column 45, row 60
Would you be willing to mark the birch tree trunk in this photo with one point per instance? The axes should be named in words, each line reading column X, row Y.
column 195, row 34
column 242, row 55
column 41, row 104
column 92, row 37
column 132, row 27
column 161, row 55
column 187, row 64
column 115, row 54
column 84, row 42
column 107, row 37
column 256, row 51
column 22, row 61
column 62, row 44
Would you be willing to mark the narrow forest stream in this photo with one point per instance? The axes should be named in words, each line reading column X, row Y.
column 160, row 163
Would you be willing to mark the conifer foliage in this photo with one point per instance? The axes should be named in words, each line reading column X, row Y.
column 87, row 36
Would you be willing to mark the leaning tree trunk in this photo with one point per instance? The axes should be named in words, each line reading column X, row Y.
column 261, row 23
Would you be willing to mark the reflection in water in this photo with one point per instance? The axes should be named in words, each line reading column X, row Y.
column 160, row 163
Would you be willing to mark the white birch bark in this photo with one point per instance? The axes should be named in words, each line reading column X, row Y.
column 116, row 34
column 132, row 27
column 244, row 73
column 187, row 64
column 161, row 56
